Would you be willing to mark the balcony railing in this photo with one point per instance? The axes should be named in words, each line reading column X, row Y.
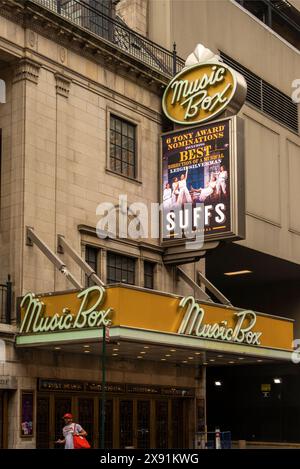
column 82, row 14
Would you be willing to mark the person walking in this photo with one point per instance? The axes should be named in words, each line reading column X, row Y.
column 69, row 430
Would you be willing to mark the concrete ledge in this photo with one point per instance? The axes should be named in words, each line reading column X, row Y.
column 242, row 444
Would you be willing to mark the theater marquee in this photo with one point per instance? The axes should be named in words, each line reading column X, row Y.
column 152, row 317
column 202, row 182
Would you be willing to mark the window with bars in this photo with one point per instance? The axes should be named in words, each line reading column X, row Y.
column 122, row 153
column 149, row 275
column 91, row 255
column 266, row 97
column 120, row 269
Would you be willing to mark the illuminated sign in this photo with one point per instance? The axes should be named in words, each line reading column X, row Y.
column 69, row 317
column 193, row 323
column 201, row 167
column 89, row 313
column 201, row 92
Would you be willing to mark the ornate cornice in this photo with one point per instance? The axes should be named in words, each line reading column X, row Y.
column 58, row 29
column 63, row 84
column 27, row 69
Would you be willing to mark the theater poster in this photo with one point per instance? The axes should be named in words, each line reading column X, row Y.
column 202, row 182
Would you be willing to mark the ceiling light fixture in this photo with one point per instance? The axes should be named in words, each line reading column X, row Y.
column 218, row 383
column 238, row 272
column 277, row 380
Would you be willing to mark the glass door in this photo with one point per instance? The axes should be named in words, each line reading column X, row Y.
column 161, row 423
column 62, row 405
column 86, row 417
column 126, row 423
column 177, row 430
column 143, row 424
column 42, row 423
column 109, row 423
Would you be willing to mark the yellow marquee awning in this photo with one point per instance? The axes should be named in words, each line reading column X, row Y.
column 141, row 315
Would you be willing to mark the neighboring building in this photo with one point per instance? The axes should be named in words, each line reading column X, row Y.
column 260, row 39
column 80, row 125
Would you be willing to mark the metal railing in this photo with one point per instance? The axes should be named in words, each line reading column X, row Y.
column 5, row 302
column 266, row 97
column 79, row 12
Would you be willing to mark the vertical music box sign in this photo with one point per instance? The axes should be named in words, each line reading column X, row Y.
column 202, row 176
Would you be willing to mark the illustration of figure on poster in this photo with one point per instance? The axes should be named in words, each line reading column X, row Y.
column 196, row 182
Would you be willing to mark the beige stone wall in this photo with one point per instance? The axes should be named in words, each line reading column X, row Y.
column 272, row 151
column 54, row 174
column 135, row 14
column 56, row 159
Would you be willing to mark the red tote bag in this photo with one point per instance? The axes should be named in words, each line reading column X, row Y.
column 80, row 442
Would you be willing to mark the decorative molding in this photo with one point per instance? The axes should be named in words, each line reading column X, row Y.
column 27, row 69
column 62, row 54
column 31, row 38
column 66, row 34
column 62, row 85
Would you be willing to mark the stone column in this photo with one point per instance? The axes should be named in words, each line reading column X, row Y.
column 25, row 74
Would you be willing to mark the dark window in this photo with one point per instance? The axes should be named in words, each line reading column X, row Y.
column 149, row 274
column 122, row 147
column 91, row 254
column 266, row 97
column 120, row 269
